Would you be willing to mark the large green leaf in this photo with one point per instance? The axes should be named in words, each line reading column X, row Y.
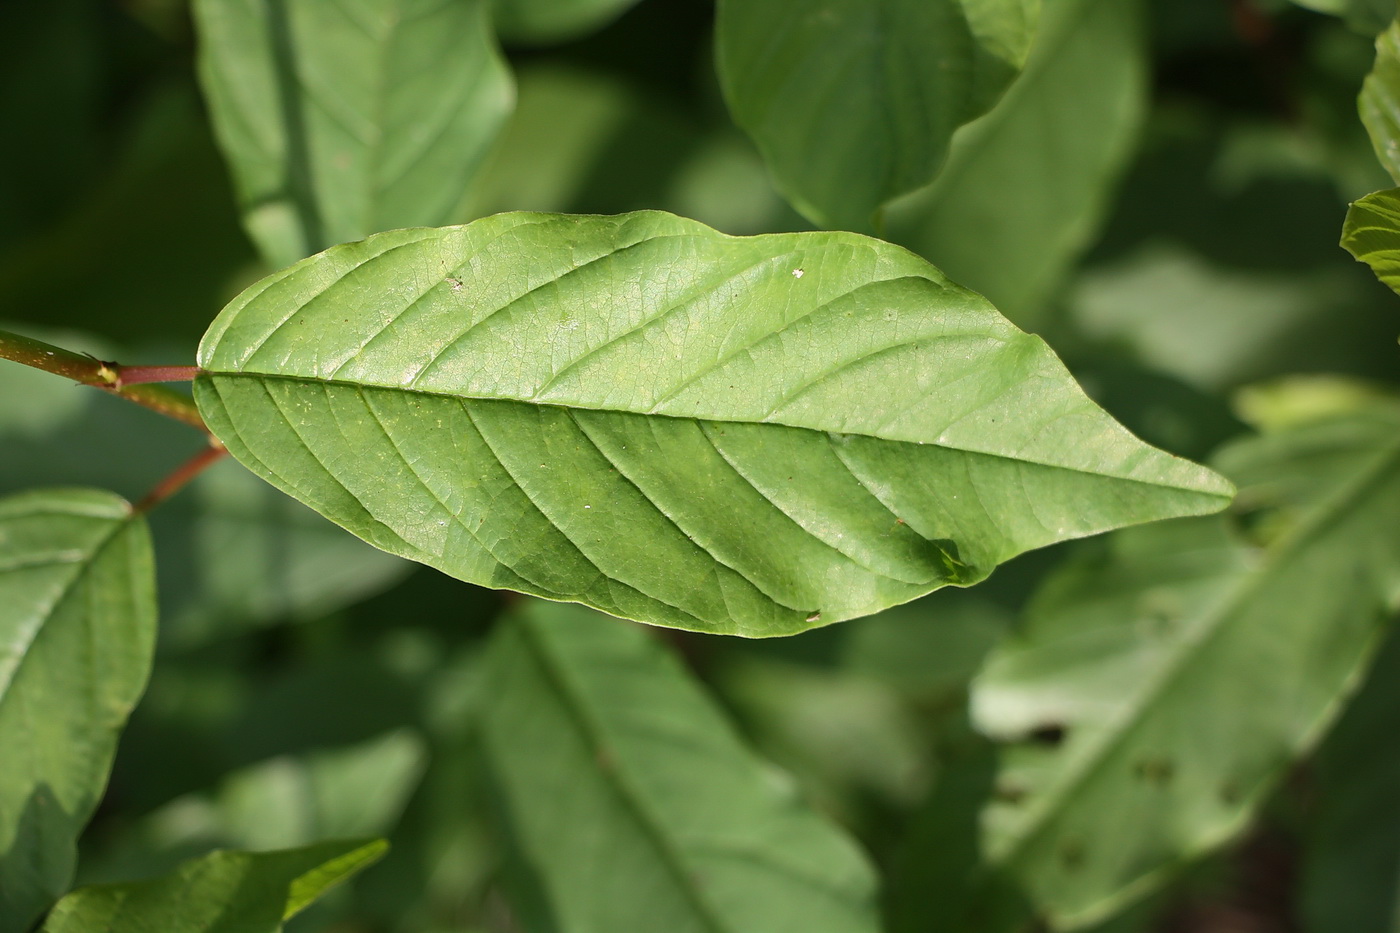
column 345, row 117
column 1372, row 234
column 744, row 435
column 554, row 20
column 77, row 632
column 1379, row 102
column 1026, row 186
column 854, row 102
column 632, row 804
column 222, row 892
column 1156, row 693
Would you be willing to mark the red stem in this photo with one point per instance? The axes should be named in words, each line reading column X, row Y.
column 182, row 475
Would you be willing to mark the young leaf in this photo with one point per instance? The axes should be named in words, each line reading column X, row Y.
column 633, row 806
column 222, row 892
column 854, row 102
column 1174, row 679
column 77, row 633
column 545, row 21
column 1372, row 234
column 1379, row 102
column 744, row 435
column 1025, row 187
column 341, row 119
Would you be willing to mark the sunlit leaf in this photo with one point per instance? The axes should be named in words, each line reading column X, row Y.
column 77, row 631
column 553, row 20
column 745, row 435
column 341, row 118
column 1026, row 186
column 222, row 892
column 634, row 806
column 1156, row 693
column 1372, row 234
column 853, row 102
column 1380, row 98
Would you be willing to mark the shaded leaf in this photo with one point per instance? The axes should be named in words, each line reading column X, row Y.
column 543, row 21
column 1379, row 102
column 341, row 119
column 1026, row 186
column 743, row 435
column 1372, row 234
column 1369, row 16
column 854, row 102
column 633, row 805
column 1157, row 692
column 222, row 892
column 77, row 632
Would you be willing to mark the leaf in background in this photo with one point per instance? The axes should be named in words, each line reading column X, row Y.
column 854, row 102
column 1379, row 102
column 233, row 553
column 632, row 804
column 222, row 892
column 1351, row 868
column 77, row 632
column 741, row 435
column 1155, row 694
column 1026, row 186
column 342, row 119
column 547, row 21
column 1372, row 234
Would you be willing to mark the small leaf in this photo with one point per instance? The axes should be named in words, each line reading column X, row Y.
column 1379, row 102
column 547, row 21
column 632, row 804
column 341, row 119
column 222, row 892
column 1372, row 234
column 744, row 435
column 1026, row 186
column 1180, row 674
column 77, row 633
column 854, row 102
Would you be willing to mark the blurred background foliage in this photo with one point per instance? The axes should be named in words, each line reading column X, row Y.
column 1160, row 194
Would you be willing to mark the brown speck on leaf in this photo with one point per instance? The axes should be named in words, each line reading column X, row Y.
column 815, row 616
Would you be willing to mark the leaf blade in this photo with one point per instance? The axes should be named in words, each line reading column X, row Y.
column 77, row 617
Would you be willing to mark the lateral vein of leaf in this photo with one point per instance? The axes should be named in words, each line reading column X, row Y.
column 578, row 708
column 456, row 396
column 1249, row 581
column 690, row 539
column 545, row 517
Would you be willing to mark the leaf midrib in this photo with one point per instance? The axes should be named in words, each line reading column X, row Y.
column 1251, row 580
column 468, row 397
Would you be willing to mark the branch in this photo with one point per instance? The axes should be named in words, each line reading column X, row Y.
column 133, row 383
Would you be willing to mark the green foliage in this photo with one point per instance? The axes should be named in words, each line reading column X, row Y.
column 526, row 291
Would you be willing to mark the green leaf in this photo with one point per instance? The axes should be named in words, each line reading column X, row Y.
column 632, row 804
column 1368, row 16
column 77, row 632
column 1379, row 102
column 340, row 118
column 546, row 21
column 1351, row 869
column 741, row 435
column 1155, row 694
column 854, row 102
column 1026, row 186
column 222, row 892
column 1372, row 234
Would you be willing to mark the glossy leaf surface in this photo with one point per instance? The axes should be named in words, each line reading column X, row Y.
column 1372, row 234
column 1026, row 186
column 853, row 102
column 222, row 892
column 743, row 435
column 340, row 118
column 553, row 20
column 1177, row 676
column 77, row 631
column 634, row 806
